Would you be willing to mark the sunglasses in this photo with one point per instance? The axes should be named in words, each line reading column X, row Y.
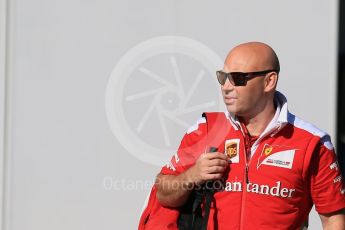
column 239, row 78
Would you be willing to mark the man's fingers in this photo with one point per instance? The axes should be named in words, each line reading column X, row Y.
column 210, row 166
column 214, row 176
column 215, row 169
column 208, row 161
column 215, row 155
column 218, row 162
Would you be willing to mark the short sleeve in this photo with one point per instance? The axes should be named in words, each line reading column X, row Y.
column 327, row 185
column 191, row 147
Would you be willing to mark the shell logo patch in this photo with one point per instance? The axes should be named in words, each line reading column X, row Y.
column 232, row 149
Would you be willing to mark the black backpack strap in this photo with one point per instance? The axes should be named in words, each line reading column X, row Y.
column 207, row 193
column 217, row 130
column 191, row 217
column 208, row 201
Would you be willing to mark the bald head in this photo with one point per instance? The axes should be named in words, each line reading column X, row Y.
column 251, row 57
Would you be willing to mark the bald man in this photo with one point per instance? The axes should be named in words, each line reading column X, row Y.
column 273, row 166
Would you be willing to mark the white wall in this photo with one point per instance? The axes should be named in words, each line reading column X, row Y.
column 76, row 139
column 2, row 104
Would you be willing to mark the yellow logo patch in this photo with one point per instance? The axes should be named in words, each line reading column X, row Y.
column 231, row 149
column 268, row 150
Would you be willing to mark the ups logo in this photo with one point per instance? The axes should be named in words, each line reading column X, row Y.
column 231, row 149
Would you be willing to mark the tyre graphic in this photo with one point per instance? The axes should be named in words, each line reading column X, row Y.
column 157, row 90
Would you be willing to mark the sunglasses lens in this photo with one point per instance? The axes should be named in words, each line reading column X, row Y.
column 236, row 78
column 221, row 76
column 239, row 79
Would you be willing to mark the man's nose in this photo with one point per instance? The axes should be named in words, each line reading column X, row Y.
column 227, row 85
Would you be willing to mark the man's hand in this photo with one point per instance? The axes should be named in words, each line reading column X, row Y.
column 209, row 166
column 173, row 191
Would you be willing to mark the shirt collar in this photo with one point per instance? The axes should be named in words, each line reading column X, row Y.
column 279, row 120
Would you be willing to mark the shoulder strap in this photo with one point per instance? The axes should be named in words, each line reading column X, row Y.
column 217, row 128
column 208, row 200
column 191, row 217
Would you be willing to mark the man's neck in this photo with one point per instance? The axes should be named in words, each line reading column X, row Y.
column 257, row 123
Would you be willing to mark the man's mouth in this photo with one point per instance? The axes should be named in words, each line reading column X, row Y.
column 229, row 99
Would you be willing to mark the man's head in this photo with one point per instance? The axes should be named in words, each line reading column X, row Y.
column 255, row 92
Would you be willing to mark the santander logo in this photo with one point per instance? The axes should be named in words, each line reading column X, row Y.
column 277, row 190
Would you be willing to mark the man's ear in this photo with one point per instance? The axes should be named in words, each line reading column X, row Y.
column 271, row 80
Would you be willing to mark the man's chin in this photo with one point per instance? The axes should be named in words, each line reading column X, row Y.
column 232, row 109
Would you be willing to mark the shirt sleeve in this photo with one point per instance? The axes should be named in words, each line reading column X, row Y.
column 327, row 186
column 191, row 147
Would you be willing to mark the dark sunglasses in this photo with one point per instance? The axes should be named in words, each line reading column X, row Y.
column 239, row 78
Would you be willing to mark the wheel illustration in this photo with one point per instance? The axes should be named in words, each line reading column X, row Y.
column 157, row 91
